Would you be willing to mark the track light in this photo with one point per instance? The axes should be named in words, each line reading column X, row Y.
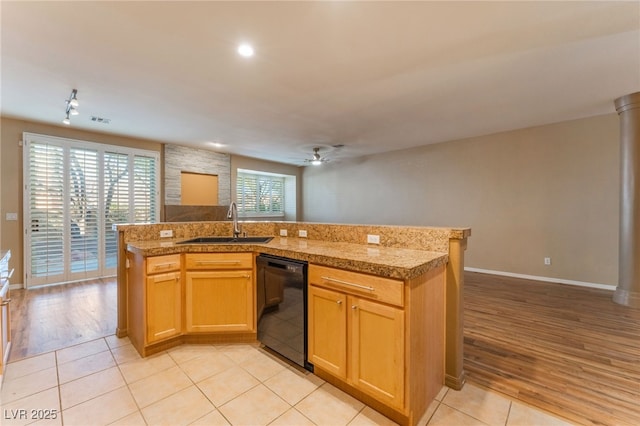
column 72, row 106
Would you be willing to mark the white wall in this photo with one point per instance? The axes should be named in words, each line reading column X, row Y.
column 549, row 191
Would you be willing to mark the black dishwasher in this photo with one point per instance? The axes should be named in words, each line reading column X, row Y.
column 282, row 307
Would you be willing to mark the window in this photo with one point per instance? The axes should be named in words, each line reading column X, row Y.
column 260, row 194
column 75, row 192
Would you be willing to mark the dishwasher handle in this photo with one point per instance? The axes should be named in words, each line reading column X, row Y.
column 276, row 265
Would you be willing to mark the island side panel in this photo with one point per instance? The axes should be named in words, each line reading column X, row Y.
column 425, row 343
column 136, row 302
column 455, row 375
column 121, row 280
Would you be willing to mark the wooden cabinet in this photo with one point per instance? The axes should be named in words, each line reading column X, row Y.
column 219, row 292
column 163, row 306
column 327, row 330
column 379, row 339
column 154, row 299
column 163, row 297
column 354, row 335
column 376, row 349
column 190, row 298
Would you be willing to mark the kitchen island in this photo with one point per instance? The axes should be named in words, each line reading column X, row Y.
column 387, row 349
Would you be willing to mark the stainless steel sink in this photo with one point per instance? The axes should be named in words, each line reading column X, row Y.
column 226, row 240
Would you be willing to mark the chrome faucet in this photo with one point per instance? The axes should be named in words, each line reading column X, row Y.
column 233, row 215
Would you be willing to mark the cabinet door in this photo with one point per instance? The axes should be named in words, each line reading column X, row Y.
column 163, row 306
column 220, row 301
column 327, row 330
column 376, row 350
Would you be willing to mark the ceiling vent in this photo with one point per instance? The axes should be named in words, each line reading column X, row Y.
column 100, row 119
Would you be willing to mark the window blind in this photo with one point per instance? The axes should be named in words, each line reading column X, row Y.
column 46, row 210
column 259, row 194
column 76, row 191
column 83, row 207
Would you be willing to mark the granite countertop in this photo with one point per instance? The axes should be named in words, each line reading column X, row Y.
column 384, row 261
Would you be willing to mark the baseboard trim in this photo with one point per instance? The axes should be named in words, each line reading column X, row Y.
column 545, row 279
column 16, row 286
column 455, row 383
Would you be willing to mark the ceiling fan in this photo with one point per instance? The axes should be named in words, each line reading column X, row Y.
column 316, row 160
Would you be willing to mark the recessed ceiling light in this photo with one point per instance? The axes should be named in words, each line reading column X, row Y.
column 245, row 50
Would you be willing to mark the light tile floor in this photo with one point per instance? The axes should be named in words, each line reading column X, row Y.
column 105, row 382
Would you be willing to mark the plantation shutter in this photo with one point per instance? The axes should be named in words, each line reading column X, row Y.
column 259, row 194
column 145, row 189
column 75, row 192
column 46, row 204
column 83, row 202
column 116, row 201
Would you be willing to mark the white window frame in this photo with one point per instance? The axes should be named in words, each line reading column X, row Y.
column 67, row 144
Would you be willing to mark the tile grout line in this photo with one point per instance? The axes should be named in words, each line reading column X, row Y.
column 215, row 408
column 462, row 412
column 96, row 396
column 506, row 421
column 126, row 384
column 434, row 412
column 243, row 393
column 55, row 356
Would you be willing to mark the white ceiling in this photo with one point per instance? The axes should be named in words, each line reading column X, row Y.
column 374, row 76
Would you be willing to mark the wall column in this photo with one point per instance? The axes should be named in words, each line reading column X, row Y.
column 628, row 290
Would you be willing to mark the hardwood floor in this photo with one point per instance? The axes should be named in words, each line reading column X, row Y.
column 568, row 350
column 565, row 349
column 54, row 317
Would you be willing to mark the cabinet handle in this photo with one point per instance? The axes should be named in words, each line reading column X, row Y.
column 5, row 302
column 166, row 277
column 238, row 276
column 164, row 265
column 217, row 262
column 339, row 302
column 364, row 287
column 354, row 307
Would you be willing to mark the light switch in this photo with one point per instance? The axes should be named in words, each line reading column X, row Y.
column 12, row 216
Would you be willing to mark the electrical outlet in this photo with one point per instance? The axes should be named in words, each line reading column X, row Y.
column 373, row 239
column 283, row 232
column 302, row 233
column 166, row 233
column 547, row 261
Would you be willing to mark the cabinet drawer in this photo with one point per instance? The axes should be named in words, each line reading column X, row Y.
column 219, row 261
column 158, row 264
column 382, row 289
